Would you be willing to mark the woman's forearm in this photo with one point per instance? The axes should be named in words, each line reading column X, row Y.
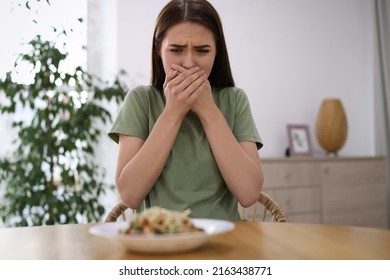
column 239, row 163
column 140, row 165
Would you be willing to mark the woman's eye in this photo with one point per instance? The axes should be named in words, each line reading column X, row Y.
column 176, row 50
column 203, row 51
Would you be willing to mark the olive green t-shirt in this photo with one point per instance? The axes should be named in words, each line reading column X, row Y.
column 191, row 178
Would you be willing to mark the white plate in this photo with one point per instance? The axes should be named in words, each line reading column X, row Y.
column 163, row 243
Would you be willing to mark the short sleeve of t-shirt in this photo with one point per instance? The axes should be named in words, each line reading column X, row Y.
column 234, row 105
column 133, row 117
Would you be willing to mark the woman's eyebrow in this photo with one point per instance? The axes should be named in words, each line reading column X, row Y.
column 177, row 46
column 202, row 46
column 185, row 46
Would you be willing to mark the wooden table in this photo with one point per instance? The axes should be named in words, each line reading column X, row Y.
column 249, row 240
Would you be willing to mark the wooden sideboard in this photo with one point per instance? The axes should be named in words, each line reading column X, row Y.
column 348, row 191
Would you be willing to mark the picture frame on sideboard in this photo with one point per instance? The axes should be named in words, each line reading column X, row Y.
column 299, row 140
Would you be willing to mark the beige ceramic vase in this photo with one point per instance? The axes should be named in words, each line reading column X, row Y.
column 331, row 126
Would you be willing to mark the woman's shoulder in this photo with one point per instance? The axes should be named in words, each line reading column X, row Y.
column 229, row 90
column 143, row 93
column 232, row 93
column 144, row 90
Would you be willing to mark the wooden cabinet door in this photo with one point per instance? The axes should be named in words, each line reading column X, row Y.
column 295, row 185
column 354, row 192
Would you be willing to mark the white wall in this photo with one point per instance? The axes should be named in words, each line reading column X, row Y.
column 102, row 61
column 287, row 56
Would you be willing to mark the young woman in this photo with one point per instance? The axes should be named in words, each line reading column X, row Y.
column 189, row 139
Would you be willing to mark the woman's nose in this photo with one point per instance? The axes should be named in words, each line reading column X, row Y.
column 189, row 61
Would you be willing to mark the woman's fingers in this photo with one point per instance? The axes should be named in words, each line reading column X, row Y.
column 170, row 75
column 182, row 87
column 194, row 85
column 178, row 68
column 186, row 82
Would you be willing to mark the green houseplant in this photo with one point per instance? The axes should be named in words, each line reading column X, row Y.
column 52, row 176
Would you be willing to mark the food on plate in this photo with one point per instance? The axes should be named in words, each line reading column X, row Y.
column 157, row 220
